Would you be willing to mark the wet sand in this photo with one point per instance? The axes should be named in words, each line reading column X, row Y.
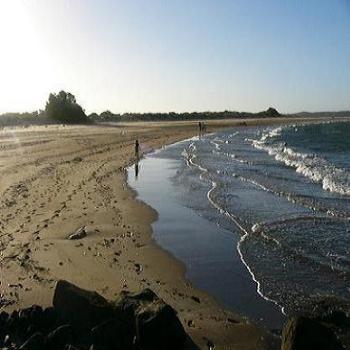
column 57, row 179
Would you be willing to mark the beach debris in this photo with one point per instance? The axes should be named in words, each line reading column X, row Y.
column 138, row 268
column 210, row 344
column 139, row 245
column 196, row 299
column 77, row 159
column 231, row 320
column 19, row 285
column 5, row 302
column 78, row 234
column 190, row 323
column 106, row 242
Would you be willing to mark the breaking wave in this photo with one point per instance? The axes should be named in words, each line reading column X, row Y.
column 317, row 169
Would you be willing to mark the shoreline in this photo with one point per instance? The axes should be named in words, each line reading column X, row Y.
column 59, row 180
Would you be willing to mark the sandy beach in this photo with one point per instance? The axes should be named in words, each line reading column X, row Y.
column 57, row 179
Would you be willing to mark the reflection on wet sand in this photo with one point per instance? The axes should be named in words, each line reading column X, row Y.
column 137, row 168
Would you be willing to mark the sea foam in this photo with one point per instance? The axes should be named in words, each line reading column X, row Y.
column 315, row 168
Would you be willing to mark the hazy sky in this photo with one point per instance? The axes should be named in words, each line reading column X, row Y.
column 174, row 55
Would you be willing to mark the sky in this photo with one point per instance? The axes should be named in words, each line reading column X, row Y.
column 176, row 55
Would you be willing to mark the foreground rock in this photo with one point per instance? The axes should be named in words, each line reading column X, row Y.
column 82, row 319
column 325, row 326
column 304, row 333
column 80, row 307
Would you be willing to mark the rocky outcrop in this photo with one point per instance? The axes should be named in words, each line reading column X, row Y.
column 325, row 324
column 80, row 307
column 305, row 333
column 81, row 319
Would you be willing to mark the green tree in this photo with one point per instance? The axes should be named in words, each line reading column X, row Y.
column 64, row 108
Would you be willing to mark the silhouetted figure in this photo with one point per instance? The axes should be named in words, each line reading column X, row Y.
column 137, row 149
column 200, row 127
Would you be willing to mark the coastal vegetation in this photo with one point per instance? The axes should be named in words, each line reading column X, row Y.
column 62, row 108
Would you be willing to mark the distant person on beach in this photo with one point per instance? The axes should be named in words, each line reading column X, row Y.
column 200, row 127
column 137, row 149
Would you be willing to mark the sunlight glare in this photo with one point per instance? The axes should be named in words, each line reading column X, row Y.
column 24, row 64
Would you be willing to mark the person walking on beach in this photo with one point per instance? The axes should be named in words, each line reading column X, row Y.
column 137, row 149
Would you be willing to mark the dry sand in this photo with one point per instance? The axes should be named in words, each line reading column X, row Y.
column 56, row 179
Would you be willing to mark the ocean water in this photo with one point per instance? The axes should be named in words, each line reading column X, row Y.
column 259, row 215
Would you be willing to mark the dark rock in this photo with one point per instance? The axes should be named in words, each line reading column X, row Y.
column 60, row 336
column 31, row 315
column 77, row 159
column 302, row 333
column 31, row 329
column 114, row 334
column 78, row 234
column 49, row 318
column 85, row 320
column 79, row 307
column 196, row 299
column 70, row 347
column 3, row 319
column 7, row 340
column 158, row 327
column 35, row 342
column 3, row 316
column 96, row 347
column 12, row 321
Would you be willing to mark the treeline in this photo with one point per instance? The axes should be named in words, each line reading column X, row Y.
column 60, row 108
column 340, row 114
column 24, row 119
column 63, row 108
column 108, row 116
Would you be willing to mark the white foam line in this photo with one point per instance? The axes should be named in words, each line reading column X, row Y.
column 197, row 165
column 230, row 155
column 156, row 151
column 217, row 146
column 317, row 169
column 243, row 237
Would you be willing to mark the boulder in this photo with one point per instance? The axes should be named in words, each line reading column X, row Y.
column 302, row 333
column 79, row 307
column 59, row 337
column 157, row 325
column 35, row 342
column 114, row 334
column 82, row 319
